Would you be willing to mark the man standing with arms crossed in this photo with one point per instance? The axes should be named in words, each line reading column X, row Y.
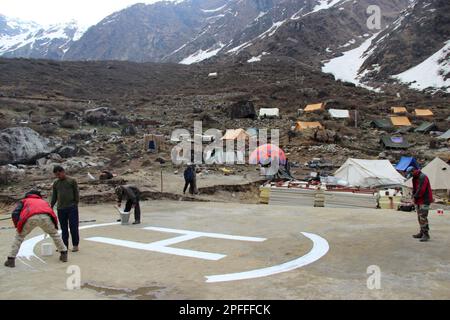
column 67, row 196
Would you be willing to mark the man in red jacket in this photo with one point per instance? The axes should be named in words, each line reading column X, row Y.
column 32, row 212
column 423, row 198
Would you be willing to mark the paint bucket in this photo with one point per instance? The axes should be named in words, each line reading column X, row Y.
column 46, row 249
column 125, row 218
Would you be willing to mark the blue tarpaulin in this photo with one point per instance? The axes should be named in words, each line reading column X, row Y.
column 406, row 162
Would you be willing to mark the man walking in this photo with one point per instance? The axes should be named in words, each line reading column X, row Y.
column 190, row 179
column 32, row 212
column 132, row 195
column 423, row 197
column 67, row 196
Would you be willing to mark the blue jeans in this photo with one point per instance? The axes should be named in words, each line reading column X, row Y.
column 69, row 218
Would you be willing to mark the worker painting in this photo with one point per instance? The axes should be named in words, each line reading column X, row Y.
column 30, row 213
column 66, row 196
column 423, row 198
column 131, row 195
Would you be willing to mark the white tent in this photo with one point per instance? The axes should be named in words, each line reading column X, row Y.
column 369, row 173
column 445, row 136
column 340, row 114
column 439, row 174
column 269, row 113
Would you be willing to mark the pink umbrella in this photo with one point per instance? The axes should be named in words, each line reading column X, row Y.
column 265, row 154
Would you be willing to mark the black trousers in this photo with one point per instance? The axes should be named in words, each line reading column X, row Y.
column 137, row 209
column 69, row 219
column 192, row 187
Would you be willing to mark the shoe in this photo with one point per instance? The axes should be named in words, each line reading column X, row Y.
column 425, row 238
column 137, row 222
column 10, row 263
column 63, row 256
column 75, row 249
column 418, row 236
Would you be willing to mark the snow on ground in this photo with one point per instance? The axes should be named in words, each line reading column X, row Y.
column 429, row 73
column 201, row 55
column 214, row 10
column 257, row 58
column 346, row 67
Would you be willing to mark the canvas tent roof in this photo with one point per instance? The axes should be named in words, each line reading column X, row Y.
column 439, row 174
column 235, row 134
column 399, row 110
column 445, row 136
column 425, row 127
column 269, row 112
column 341, row 114
column 406, row 162
column 301, row 125
column 395, row 142
column 315, row 107
column 400, row 121
column 382, row 123
column 369, row 173
column 423, row 113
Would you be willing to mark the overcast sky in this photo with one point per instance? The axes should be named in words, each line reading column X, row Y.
column 87, row 12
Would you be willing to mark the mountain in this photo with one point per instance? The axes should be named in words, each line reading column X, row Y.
column 414, row 49
column 22, row 39
column 143, row 33
column 329, row 35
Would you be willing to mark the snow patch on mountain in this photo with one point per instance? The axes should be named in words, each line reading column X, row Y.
column 434, row 72
column 347, row 67
column 201, row 55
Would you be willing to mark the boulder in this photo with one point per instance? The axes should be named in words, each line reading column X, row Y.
column 67, row 151
column 242, row 110
column 129, row 130
column 22, row 145
column 103, row 116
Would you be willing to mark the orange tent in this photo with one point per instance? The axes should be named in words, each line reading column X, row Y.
column 400, row 121
column 237, row 134
column 300, row 126
column 397, row 110
column 423, row 113
column 315, row 107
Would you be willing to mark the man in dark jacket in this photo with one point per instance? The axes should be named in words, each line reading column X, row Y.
column 67, row 196
column 423, row 198
column 32, row 212
column 190, row 179
column 132, row 196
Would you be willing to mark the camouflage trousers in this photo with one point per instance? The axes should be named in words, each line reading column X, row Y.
column 422, row 214
column 42, row 221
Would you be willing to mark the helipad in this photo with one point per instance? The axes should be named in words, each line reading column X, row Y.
column 234, row 251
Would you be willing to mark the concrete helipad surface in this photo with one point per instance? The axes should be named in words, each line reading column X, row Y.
column 325, row 254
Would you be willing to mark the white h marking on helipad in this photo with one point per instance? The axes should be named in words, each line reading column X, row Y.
column 186, row 235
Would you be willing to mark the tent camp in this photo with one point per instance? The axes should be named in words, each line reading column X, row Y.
column 439, row 174
column 384, row 124
column 235, row 134
column 423, row 113
column 269, row 113
column 369, row 173
column 406, row 162
column 445, row 136
column 301, row 125
column 399, row 110
column 400, row 121
column 339, row 114
column 426, row 127
column 390, row 142
column 315, row 107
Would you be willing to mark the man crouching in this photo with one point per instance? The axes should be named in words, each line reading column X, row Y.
column 32, row 212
